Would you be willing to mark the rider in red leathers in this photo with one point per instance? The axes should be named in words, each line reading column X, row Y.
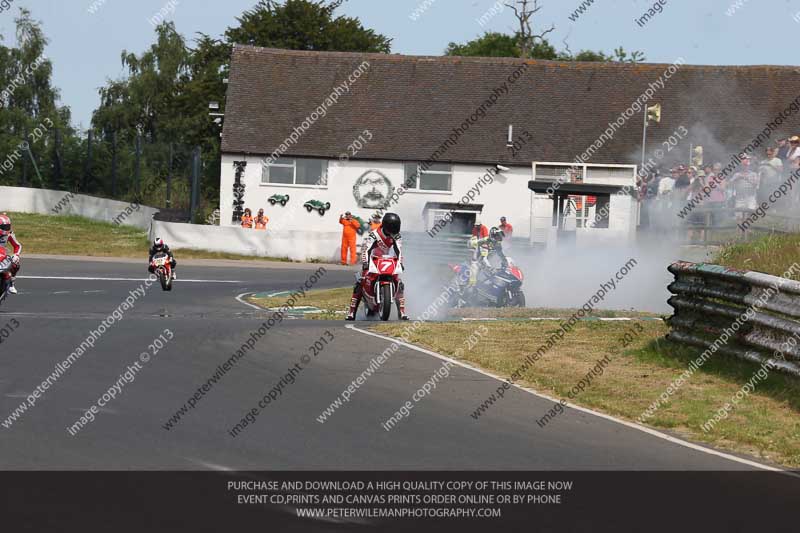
column 383, row 241
column 7, row 237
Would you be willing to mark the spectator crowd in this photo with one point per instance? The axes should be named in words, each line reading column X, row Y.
column 704, row 196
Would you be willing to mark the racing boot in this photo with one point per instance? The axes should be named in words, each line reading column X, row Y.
column 10, row 279
column 354, row 301
column 401, row 302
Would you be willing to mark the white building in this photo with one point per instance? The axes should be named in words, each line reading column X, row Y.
column 348, row 129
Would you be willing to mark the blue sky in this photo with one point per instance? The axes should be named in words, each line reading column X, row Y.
column 85, row 48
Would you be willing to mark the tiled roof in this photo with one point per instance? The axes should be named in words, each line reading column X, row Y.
column 411, row 104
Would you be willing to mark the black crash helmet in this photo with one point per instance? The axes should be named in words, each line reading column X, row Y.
column 391, row 225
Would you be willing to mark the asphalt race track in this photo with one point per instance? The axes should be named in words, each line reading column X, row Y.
column 209, row 324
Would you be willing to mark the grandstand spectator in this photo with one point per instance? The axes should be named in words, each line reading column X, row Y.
column 783, row 149
column 697, row 219
column 794, row 148
column 683, row 179
column 716, row 197
column 261, row 220
column 508, row 232
column 479, row 230
column 667, row 184
column 652, row 181
column 745, row 186
column 769, row 172
column 506, row 228
column 247, row 219
column 793, row 167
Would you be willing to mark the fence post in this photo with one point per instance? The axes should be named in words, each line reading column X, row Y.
column 35, row 166
column 114, row 164
column 57, row 178
column 138, row 170
column 195, row 182
column 169, row 178
column 24, row 176
column 87, row 169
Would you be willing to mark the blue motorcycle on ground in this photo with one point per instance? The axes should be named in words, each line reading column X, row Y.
column 499, row 287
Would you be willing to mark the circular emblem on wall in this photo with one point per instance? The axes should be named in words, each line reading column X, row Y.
column 372, row 190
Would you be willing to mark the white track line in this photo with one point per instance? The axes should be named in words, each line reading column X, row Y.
column 181, row 280
column 248, row 304
column 644, row 429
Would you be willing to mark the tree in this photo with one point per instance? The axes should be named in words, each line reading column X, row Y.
column 526, row 43
column 166, row 90
column 500, row 45
column 28, row 104
column 305, row 25
column 524, row 10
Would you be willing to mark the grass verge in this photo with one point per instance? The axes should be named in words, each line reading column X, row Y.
column 332, row 302
column 73, row 235
column 772, row 254
column 765, row 424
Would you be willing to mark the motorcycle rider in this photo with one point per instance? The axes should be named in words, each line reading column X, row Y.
column 160, row 246
column 383, row 241
column 481, row 249
column 7, row 236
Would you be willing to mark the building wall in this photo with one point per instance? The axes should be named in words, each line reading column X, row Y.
column 508, row 195
column 623, row 214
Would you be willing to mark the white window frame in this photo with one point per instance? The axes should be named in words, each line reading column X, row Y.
column 583, row 171
column 266, row 166
column 416, row 187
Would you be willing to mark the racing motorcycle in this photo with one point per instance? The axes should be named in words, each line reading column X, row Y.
column 380, row 285
column 163, row 269
column 500, row 287
column 5, row 266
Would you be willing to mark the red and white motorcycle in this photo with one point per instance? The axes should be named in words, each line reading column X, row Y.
column 162, row 266
column 380, row 285
column 6, row 262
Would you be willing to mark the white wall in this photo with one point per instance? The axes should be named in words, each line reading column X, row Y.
column 296, row 245
column 44, row 201
column 622, row 217
column 508, row 196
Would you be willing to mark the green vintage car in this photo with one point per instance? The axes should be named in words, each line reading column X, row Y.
column 278, row 199
column 316, row 205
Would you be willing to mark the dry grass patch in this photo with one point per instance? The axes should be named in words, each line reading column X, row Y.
column 766, row 424
column 332, row 302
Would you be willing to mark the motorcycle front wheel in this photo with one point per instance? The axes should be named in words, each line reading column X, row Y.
column 517, row 300
column 386, row 301
column 162, row 278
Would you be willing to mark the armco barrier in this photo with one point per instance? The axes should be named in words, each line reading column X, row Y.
column 749, row 315
column 49, row 202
